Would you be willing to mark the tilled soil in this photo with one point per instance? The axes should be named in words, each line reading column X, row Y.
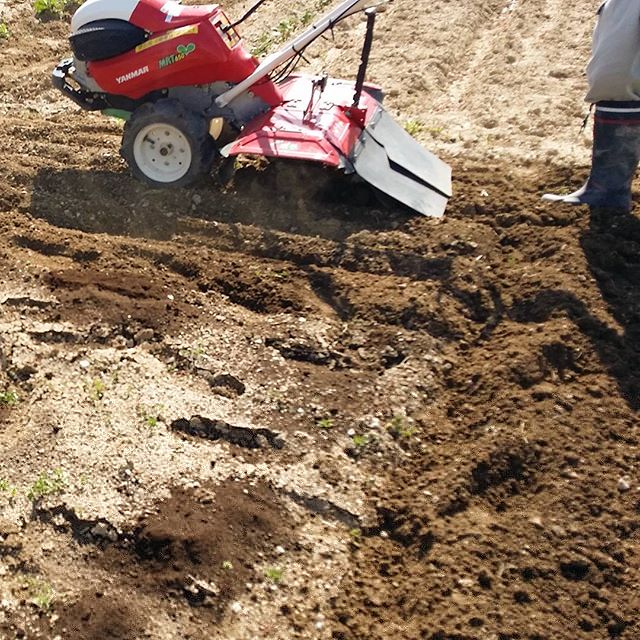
column 246, row 410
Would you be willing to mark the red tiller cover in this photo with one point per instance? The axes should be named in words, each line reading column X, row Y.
column 308, row 125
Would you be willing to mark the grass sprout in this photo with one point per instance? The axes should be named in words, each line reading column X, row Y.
column 53, row 8
column 275, row 574
column 414, row 127
column 400, row 428
column 8, row 398
column 326, row 423
column 48, row 483
column 360, row 440
column 41, row 593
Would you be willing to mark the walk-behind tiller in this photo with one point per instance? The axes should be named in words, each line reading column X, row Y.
column 176, row 73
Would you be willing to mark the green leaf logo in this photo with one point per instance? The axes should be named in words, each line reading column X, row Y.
column 185, row 50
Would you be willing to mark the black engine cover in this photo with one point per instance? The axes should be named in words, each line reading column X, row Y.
column 104, row 39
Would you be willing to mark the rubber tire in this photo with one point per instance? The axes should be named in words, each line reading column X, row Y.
column 193, row 126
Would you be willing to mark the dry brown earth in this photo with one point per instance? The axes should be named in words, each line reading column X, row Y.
column 245, row 414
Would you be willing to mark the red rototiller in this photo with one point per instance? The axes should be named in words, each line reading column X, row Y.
column 177, row 73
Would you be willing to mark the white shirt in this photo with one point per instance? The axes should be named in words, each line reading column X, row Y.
column 614, row 69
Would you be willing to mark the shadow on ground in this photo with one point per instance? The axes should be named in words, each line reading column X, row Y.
column 613, row 256
column 614, row 260
column 302, row 199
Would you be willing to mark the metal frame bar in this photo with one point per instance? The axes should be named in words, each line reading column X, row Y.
column 292, row 48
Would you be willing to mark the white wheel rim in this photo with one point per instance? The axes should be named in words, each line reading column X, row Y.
column 162, row 153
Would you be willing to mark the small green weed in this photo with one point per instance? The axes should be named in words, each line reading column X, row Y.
column 281, row 274
column 48, row 483
column 325, row 423
column 356, row 537
column 151, row 416
column 97, row 390
column 41, row 593
column 360, row 441
column 414, row 127
column 307, row 18
column 399, row 427
column 7, row 488
column 274, row 574
column 263, row 45
column 436, row 132
column 8, row 398
column 286, row 29
column 4, row 30
column 227, row 565
column 193, row 354
column 52, row 8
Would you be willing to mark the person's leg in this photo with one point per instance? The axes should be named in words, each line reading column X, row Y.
column 615, row 157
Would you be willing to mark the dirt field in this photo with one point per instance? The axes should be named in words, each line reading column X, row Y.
column 244, row 414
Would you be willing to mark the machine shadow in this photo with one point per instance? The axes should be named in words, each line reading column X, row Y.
column 282, row 198
column 614, row 261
